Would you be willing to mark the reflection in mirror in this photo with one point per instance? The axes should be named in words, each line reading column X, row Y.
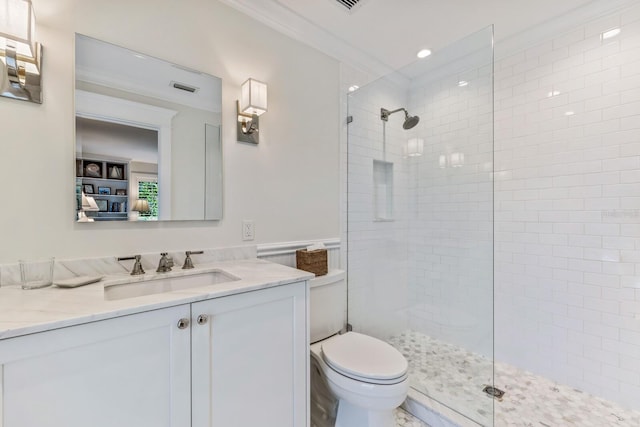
column 148, row 144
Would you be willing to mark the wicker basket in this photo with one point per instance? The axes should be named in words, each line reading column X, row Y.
column 312, row 261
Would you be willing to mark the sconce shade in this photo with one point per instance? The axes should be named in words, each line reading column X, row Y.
column 141, row 205
column 415, row 147
column 442, row 161
column 20, row 54
column 254, row 97
column 454, row 160
column 457, row 160
column 17, row 23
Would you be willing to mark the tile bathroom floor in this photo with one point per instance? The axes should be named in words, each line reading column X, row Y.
column 456, row 377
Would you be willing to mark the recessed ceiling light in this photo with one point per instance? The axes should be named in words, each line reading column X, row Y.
column 353, row 88
column 611, row 33
column 569, row 113
column 423, row 53
column 463, row 83
column 553, row 93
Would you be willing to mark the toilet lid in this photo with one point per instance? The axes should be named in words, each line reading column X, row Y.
column 361, row 356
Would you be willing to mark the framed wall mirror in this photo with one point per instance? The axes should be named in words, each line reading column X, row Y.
column 148, row 137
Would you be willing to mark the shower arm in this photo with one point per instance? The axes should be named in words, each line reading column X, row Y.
column 384, row 113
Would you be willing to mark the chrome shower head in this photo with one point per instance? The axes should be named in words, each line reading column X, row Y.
column 409, row 121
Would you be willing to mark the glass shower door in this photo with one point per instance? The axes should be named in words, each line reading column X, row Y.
column 420, row 221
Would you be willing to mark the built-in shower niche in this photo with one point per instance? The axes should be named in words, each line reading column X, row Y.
column 382, row 190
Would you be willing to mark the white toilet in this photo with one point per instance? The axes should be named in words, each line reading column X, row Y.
column 356, row 380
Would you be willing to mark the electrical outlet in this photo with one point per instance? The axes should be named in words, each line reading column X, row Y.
column 248, row 230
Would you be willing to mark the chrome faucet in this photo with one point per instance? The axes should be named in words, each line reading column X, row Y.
column 137, row 266
column 188, row 263
column 165, row 264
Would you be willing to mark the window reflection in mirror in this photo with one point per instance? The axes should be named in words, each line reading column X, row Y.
column 147, row 137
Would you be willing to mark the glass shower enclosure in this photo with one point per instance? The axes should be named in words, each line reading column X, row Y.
column 420, row 222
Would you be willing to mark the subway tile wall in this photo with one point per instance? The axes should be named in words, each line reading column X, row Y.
column 451, row 239
column 567, row 207
column 430, row 267
column 378, row 259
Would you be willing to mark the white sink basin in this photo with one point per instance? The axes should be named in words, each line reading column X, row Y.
column 159, row 284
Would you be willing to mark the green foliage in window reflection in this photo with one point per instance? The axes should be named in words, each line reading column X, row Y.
column 149, row 191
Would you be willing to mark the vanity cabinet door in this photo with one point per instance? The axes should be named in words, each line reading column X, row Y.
column 250, row 359
column 127, row 371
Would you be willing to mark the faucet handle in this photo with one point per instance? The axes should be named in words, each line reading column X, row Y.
column 188, row 263
column 168, row 258
column 137, row 266
column 165, row 263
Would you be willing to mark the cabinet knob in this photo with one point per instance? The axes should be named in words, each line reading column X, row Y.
column 202, row 319
column 183, row 323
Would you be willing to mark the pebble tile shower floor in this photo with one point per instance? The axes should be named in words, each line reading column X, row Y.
column 456, row 377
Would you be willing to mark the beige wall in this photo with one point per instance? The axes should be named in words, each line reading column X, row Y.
column 289, row 184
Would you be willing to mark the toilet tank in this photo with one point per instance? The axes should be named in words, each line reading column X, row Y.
column 327, row 304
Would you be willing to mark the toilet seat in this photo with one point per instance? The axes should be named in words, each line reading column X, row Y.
column 364, row 358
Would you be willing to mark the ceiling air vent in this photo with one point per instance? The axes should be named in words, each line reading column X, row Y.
column 349, row 4
column 184, row 87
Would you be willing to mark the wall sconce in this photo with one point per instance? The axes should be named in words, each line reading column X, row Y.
column 415, row 147
column 454, row 160
column 20, row 54
column 252, row 104
column 457, row 160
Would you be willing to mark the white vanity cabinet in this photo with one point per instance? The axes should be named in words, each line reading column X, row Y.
column 239, row 360
column 250, row 359
column 127, row 371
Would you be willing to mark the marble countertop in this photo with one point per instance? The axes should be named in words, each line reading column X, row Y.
column 29, row 311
